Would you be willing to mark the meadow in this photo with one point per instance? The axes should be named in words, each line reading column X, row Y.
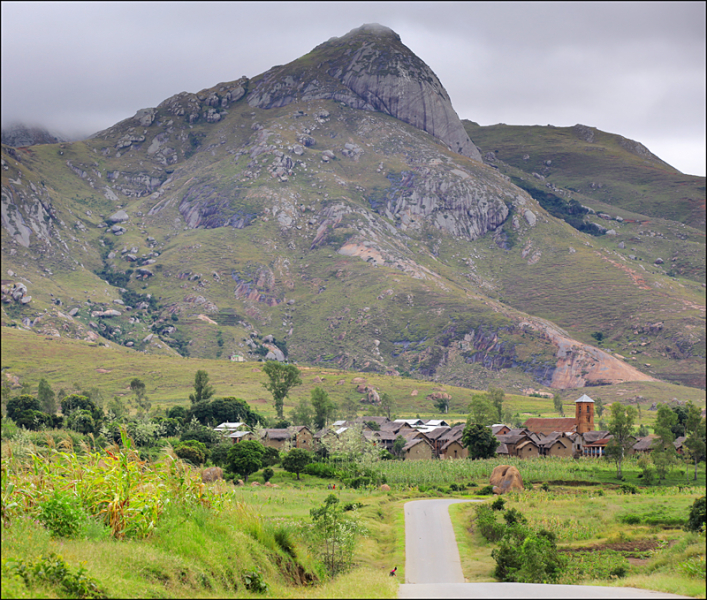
column 152, row 529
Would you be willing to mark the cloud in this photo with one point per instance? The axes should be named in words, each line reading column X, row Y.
column 637, row 69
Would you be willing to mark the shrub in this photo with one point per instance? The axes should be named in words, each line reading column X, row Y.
column 490, row 529
column 696, row 518
column 545, row 487
column 271, row 457
column 268, row 474
column 320, row 470
column 191, row 451
column 498, row 504
column 627, row 488
column 513, row 516
column 253, row 581
column 485, row 491
column 630, row 519
column 54, row 570
column 62, row 515
column 352, row 506
column 527, row 556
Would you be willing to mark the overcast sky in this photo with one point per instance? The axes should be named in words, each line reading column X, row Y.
column 636, row 69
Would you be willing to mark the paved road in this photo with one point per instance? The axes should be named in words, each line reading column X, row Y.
column 433, row 568
column 431, row 554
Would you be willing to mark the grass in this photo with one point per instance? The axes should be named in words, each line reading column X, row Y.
column 581, row 518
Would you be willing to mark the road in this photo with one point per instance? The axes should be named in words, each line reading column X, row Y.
column 433, row 568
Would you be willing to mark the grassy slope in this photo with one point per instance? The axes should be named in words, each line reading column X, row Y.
column 640, row 183
column 169, row 380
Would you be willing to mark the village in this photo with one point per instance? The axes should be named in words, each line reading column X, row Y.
column 436, row 439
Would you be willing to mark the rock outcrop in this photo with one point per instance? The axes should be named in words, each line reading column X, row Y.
column 370, row 69
column 20, row 135
column 506, row 479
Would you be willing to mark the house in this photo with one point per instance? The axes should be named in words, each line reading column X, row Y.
column 240, row 436
column 453, row 449
column 303, row 437
column 275, row 438
column 644, row 445
column 435, row 436
column 592, row 443
column 512, row 441
column 556, row 444
column 299, row 437
column 546, row 426
column 583, row 419
column 411, row 422
column 679, row 444
column 500, row 429
column 418, row 448
column 228, row 427
column 527, row 448
column 502, row 450
column 436, row 423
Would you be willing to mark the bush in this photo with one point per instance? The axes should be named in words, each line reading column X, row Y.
column 320, row 470
column 253, row 581
column 271, row 457
column 696, row 519
column 630, row 519
column 268, row 474
column 54, row 570
column 352, row 506
column 513, row 516
column 485, row 491
column 527, row 556
column 490, row 529
column 628, row 488
column 62, row 515
column 192, row 451
column 498, row 504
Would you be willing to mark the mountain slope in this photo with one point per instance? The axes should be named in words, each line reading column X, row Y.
column 325, row 233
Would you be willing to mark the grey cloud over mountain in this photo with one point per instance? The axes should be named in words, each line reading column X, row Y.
column 637, row 69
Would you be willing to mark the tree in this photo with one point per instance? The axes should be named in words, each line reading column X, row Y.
column 296, row 460
column 46, row 397
column 302, row 413
column 76, row 402
column 398, row 445
column 557, row 402
column 245, row 458
column 334, row 535
column 663, row 454
column 202, row 390
column 20, row 404
column 441, row 403
column 698, row 515
column 482, row 410
column 621, row 428
column 695, row 429
column 233, row 410
column 479, row 440
column 496, row 396
column 281, row 379
column 138, row 388
column 387, row 404
column 323, row 407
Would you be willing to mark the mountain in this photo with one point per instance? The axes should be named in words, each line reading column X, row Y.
column 19, row 134
column 336, row 211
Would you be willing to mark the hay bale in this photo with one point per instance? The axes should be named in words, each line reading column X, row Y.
column 211, row 474
column 385, row 488
column 506, row 478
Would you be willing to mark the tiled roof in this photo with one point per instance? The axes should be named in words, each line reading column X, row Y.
column 549, row 425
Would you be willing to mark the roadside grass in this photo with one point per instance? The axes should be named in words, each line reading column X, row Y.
column 590, row 520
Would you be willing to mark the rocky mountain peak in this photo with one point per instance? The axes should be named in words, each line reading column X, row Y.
column 21, row 135
column 369, row 68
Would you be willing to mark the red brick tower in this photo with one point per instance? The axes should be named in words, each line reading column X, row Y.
column 584, row 414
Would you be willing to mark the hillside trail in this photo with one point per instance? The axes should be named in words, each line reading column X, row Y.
column 433, row 567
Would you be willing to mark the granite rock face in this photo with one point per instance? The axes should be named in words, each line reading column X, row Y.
column 370, row 69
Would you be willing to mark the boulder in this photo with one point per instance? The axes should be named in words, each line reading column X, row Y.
column 506, row 478
column 118, row 217
column 211, row 474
